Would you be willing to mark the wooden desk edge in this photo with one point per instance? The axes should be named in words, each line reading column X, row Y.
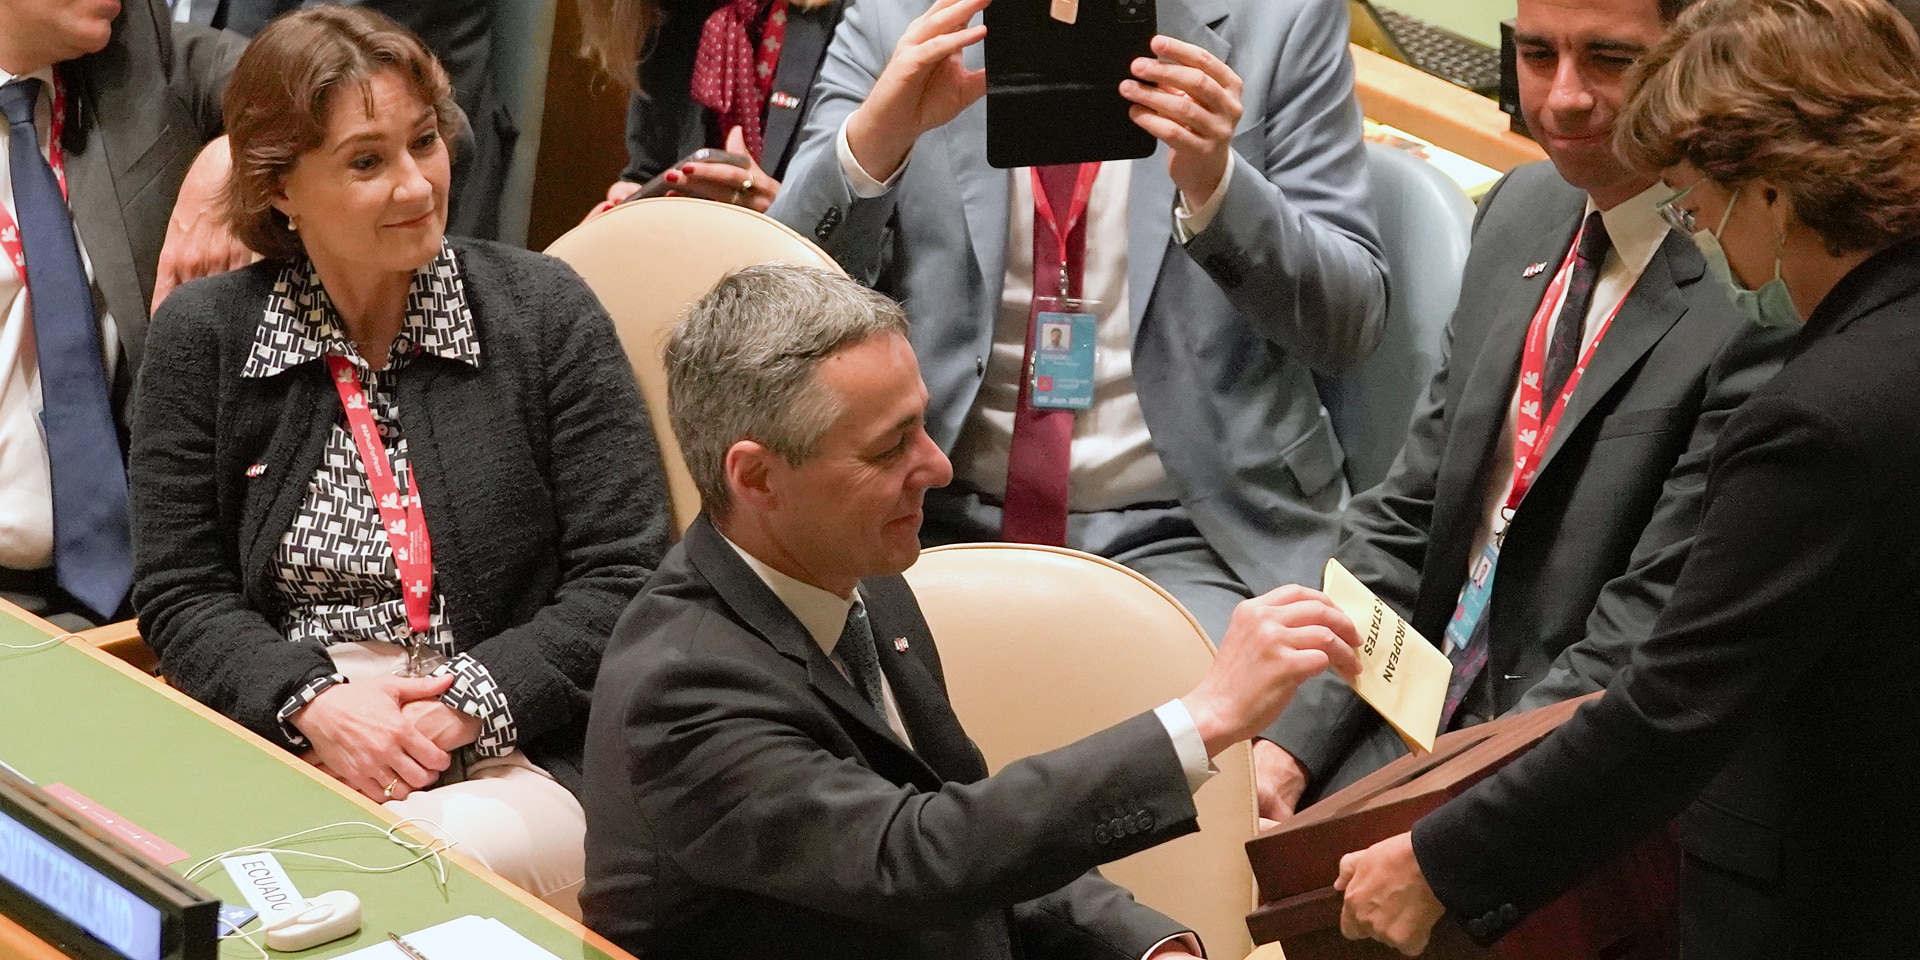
column 306, row 769
column 1428, row 107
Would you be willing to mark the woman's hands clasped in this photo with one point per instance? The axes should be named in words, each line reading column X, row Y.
column 365, row 734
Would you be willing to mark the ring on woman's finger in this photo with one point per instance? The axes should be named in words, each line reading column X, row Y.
column 388, row 789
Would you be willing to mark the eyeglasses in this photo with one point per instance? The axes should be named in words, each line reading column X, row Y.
column 1679, row 217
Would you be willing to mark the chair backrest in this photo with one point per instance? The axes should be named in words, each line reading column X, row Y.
column 1043, row 646
column 1425, row 223
column 650, row 260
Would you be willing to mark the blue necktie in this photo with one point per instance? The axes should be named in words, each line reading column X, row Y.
column 92, row 546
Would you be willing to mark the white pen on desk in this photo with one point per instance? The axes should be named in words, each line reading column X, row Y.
column 405, row 947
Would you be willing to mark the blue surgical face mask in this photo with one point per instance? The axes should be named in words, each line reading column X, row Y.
column 1769, row 306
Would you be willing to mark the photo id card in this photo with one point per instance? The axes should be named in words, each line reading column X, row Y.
column 1063, row 360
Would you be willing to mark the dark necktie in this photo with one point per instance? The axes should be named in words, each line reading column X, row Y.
column 1035, row 508
column 1563, row 351
column 92, row 549
column 862, row 661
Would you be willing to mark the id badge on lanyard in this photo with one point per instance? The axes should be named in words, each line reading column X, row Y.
column 1064, row 331
column 1063, row 353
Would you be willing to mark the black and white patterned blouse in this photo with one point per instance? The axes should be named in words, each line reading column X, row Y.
column 334, row 567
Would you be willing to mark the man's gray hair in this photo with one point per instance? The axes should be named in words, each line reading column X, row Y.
column 740, row 365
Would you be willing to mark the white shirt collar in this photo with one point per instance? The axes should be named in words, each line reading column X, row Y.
column 44, row 75
column 823, row 614
column 1636, row 227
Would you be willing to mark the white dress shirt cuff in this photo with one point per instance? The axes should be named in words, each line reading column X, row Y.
column 1187, row 940
column 863, row 183
column 1187, row 744
column 1188, row 222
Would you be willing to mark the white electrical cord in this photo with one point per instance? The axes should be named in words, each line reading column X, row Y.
column 44, row 643
column 428, row 851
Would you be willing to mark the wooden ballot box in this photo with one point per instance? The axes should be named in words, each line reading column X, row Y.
column 1624, row 911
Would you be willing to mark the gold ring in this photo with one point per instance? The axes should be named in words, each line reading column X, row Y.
column 388, row 789
column 746, row 186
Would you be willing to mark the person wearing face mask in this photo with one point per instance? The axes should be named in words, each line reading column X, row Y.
column 1771, row 708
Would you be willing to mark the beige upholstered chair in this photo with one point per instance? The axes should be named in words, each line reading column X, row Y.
column 1044, row 645
column 648, row 261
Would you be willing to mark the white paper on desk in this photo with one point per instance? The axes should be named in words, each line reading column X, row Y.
column 1401, row 674
column 468, row 938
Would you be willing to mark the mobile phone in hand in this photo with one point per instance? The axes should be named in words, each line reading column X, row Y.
column 658, row 186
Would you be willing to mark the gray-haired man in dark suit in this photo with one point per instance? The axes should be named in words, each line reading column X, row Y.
column 764, row 780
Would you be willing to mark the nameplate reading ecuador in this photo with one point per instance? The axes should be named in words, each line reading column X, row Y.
column 264, row 883
column 1401, row 674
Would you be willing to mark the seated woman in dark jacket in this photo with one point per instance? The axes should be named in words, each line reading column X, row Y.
column 391, row 490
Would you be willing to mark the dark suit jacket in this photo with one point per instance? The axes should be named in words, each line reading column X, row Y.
column 1784, row 662
column 139, row 111
column 744, row 802
column 663, row 122
column 1592, row 553
column 539, row 474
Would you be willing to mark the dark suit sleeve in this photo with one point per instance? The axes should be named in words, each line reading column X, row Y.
column 212, row 643
column 663, row 122
column 1627, row 607
column 728, row 769
column 1784, row 560
column 1090, row 919
column 610, row 505
column 203, row 59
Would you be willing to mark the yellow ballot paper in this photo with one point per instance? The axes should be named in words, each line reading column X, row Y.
column 1401, row 674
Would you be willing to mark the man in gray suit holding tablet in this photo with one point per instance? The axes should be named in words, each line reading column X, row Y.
column 1215, row 278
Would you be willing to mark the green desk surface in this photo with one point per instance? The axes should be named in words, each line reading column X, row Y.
column 67, row 717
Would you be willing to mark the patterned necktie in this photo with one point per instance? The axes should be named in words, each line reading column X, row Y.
column 1563, row 351
column 862, row 661
column 92, row 549
column 1035, row 507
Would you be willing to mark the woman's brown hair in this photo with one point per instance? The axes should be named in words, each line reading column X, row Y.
column 277, row 100
column 1820, row 98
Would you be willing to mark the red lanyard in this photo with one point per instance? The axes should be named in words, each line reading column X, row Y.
column 1532, row 434
column 1043, row 213
column 56, row 158
column 403, row 518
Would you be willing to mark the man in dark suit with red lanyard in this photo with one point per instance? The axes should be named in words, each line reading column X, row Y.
column 118, row 103
column 1552, row 479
